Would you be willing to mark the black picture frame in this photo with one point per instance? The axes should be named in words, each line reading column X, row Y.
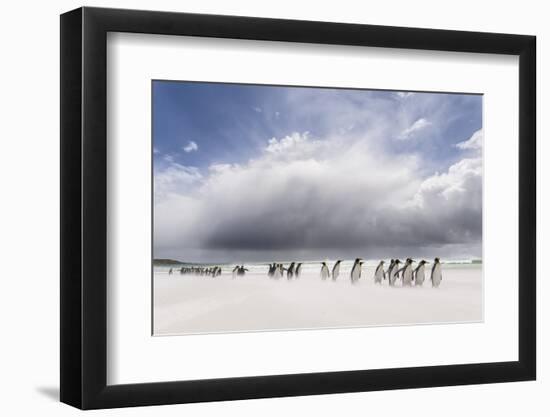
column 84, row 207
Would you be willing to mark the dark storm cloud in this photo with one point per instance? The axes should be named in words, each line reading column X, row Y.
column 321, row 199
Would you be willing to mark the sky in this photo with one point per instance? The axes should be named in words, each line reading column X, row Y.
column 254, row 173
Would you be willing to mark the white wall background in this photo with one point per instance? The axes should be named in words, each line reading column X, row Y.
column 29, row 225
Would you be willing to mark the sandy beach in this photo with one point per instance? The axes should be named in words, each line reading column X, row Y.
column 189, row 304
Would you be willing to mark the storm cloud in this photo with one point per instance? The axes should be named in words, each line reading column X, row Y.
column 336, row 196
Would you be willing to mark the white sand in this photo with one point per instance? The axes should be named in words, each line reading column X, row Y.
column 185, row 304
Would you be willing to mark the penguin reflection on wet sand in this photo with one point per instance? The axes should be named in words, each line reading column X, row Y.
column 336, row 270
column 419, row 273
column 392, row 276
column 325, row 273
column 355, row 273
column 436, row 275
column 379, row 274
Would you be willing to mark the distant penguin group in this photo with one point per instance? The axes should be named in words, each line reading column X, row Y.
column 213, row 271
column 396, row 271
column 276, row 270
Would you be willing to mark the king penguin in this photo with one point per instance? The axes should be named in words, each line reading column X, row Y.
column 298, row 270
column 280, row 271
column 390, row 267
column 393, row 272
column 325, row 273
column 336, row 270
column 355, row 273
column 407, row 273
column 290, row 271
column 419, row 273
column 379, row 273
column 436, row 273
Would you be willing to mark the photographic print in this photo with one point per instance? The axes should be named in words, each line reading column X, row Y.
column 294, row 207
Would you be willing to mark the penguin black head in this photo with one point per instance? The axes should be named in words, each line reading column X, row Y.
column 382, row 262
column 397, row 261
column 436, row 260
column 358, row 259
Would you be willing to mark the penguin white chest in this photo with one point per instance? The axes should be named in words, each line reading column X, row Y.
column 407, row 275
column 356, row 272
column 420, row 275
column 336, row 271
column 379, row 274
column 436, row 275
column 392, row 273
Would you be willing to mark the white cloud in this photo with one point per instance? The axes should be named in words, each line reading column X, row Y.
column 288, row 142
column 404, row 94
column 169, row 157
column 420, row 124
column 190, row 147
column 257, row 109
column 475, row 141
column 175, row 179
column 156, row 151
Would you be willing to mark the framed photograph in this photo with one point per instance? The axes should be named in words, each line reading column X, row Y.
column 258, row 208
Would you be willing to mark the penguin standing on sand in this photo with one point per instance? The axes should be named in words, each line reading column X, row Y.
column 355, row 273
column 170, row 271
column 379, row 274
column 325, row 273
column 290, row 271
column 271, row 270
column 392, row 272
column 388, row 272
column 336, row 270
column 436, row 276
column 280, row 271
column 419, row 273
column 235, row 271
column 407, row 275
column 298, row 270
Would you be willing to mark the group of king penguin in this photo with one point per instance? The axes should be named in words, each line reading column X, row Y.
column 397, row 270
column 278, row 270
column 196, row 270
